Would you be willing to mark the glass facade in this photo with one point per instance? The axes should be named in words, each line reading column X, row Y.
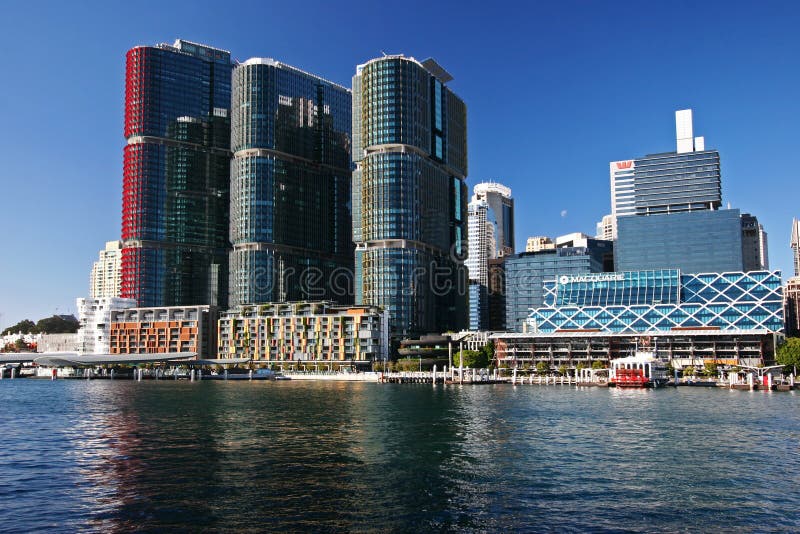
column 526, row 273
column 694, row 242
column 290, row 186
column 409, row 196
column 645, row 302
column 176, row 175
column 672, row 182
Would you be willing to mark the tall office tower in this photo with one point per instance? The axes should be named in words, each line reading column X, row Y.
column 667, row 212
column 106, row 275
column 754, row 245
column 482, row 245
column 498, row 197
column 685, row 180
column 176, row 175
column 791, row 306
column 409, row 195
column 290, row 186
column 795, row 243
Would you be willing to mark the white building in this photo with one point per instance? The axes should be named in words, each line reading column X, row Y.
column 106, row 278
column 607, row 228
column 539, row 243
column 498, row 198
column 482, row 240
column 94, row 315
column 795, row 244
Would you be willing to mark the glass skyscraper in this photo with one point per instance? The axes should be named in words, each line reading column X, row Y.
column 290, row 186
column 409, row 195
column 176, row 175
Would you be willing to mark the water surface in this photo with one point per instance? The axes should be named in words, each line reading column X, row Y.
column 100, row 455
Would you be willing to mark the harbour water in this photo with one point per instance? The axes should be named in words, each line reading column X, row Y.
column 324, row 456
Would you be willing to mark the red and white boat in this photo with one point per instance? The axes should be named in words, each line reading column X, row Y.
column 643, row 370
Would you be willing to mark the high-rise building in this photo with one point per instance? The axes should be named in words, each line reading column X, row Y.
column 176, row 175
column 409, row 195
column 791, row 306
column 607, row 228
column 106, row 276
column 685, row 180
column 482, row 230
column 795, row 244
column 290, row 186
column 490, row 222
column 498, row 198
column 754, row 244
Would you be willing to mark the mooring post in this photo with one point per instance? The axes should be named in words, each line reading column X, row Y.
column 226, row 374
column 13, row 372
column 750, row 381
column 514, row 377
column 251, row 374
column 434, row 374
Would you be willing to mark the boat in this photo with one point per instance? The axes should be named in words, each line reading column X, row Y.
column 642, row 370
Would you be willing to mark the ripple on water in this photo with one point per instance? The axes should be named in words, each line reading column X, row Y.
column 313, row 456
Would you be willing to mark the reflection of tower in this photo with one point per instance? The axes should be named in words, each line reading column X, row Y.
column 175, row 177
column 409, row 195
column 290, row 185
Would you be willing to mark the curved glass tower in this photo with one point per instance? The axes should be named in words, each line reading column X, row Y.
column 409, row 195
column 176, row 175
column 290, row 186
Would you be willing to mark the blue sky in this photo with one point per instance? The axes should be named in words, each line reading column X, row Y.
column 555, row 90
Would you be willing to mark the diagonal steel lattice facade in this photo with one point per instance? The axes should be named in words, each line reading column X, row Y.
column 644, row 301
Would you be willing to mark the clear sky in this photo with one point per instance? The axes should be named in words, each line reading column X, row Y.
column 555, row 90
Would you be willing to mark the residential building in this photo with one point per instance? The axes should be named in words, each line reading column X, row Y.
column 291, row 333
column 607, row 228
column 754, row 244
column 734, row 318
column 176, row 175
column 290, row 220
column 539, row 243
column 500, row 202
column 409, row 194
column 792, row 306
column 106, row 276
column 694, row 242
column 795, row 244
column 160, row 330
column 525, row 273
column 95, row 318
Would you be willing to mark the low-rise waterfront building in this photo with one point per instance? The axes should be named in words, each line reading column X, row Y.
column 57, row 343
column 526, row 272
column 735, row 317
column 94, row 315
column 167, row 329
column 292, row 332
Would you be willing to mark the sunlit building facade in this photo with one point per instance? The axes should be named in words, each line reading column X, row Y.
column 290, row 186
column 409, row 195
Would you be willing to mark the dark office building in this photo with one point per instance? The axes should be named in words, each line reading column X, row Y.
column 176, row 175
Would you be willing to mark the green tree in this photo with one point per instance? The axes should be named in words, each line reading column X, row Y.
column 58, row 324
column 26, row 326
column 711, row 369
column 788, row 354
column 488, row 353
column 542, row 368
column 597, row 364
column 472, row 358
column 562, row 370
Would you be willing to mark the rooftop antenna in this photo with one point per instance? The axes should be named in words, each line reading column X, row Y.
column 384, row 53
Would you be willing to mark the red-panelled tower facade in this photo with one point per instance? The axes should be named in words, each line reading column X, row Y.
column 176, row 175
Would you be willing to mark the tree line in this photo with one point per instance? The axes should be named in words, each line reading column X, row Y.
column 57, row 324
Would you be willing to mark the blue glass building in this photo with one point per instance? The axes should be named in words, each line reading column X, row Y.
column 176, row 175
column 290, row 186
column 409, row 195
column 661, row 300
column 694, row 242
column 525, row 274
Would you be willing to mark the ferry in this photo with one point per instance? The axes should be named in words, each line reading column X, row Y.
column 642, row 370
